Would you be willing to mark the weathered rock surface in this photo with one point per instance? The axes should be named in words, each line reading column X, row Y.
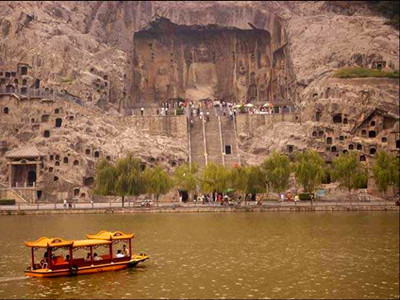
column 84, row 52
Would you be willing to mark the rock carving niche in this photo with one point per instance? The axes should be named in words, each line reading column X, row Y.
column 191, row 62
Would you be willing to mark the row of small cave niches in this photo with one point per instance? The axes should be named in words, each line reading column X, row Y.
column 335, row 149
column 75, row 162
column 364, row 133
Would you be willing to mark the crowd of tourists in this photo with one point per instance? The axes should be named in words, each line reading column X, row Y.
column 224, row 108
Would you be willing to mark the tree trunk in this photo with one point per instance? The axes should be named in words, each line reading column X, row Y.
column 123, row 201
column 157, row 199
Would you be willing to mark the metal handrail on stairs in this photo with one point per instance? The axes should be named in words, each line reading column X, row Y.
column 205, row 141
column 237, row 139
column 220, row 138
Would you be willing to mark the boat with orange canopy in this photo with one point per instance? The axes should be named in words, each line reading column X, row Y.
column 52, row 265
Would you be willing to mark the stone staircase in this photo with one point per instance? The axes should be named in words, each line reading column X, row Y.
column 10, row 193
column 197, row 149
column 213, row 139
column 208, row 140
column 229, row 138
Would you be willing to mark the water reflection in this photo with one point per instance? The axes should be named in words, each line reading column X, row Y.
column 220, row 255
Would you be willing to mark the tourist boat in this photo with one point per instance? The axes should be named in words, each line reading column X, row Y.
column 55, row 266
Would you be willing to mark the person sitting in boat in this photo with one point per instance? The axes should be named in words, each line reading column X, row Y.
column 87, row 258
column 67, row 257
column 119, row 254
column 96, row 257
column 125, row 250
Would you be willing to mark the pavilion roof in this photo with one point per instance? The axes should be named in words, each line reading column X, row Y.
column 24, row 152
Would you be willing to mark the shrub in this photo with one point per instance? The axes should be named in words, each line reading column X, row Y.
column 7, row 201
column 180, row 111
column 364, row 72
column 305, row 196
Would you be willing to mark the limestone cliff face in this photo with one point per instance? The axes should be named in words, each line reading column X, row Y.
column 109, row 57
column 87, row 48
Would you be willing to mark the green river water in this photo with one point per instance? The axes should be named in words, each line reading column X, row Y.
column 219, row 255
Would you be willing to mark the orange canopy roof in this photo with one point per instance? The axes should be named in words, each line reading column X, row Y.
column 45, row 242
column 86, row 243
column 108, row 235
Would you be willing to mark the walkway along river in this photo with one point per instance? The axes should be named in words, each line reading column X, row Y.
column 58, row 208
column 349, row 254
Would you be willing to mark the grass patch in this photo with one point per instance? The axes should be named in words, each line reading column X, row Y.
column 67, row 80
column 363, row 72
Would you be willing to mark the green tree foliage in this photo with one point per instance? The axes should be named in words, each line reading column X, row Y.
column 185, row 177
column 386, row 170
column 122, row 179
column 248, row 180
column 309, row 169
column 277, row 167
column 106, row 177
column 158, row 182
column 349, row 172
column 215, row 178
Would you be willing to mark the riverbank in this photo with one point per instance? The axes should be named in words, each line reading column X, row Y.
column 199, row 208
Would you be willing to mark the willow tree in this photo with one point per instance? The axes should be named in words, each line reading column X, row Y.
column 348, row 171
column 185, row 178
column 215, row 178
column 106, row 177
column 386, row 171
column 158, row 182
column 277, row 168
column 122, row 179
column 309, row 170
column 129, row 181
column 248, row 180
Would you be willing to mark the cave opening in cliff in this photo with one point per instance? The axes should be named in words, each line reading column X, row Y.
column 24, row 70
column 10, row 89
column 173, row 61
column 337, row 118
column 58, row 122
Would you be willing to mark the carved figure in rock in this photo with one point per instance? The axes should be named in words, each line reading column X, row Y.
column 172, row 91
column 263, row 78
column 161, row 83
column 202, row 77
column 252, row 91
column 144, row 77
column 241, row 83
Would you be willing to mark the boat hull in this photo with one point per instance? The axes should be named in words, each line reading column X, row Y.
column 46, row 273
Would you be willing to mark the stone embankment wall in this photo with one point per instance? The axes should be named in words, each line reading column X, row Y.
column 174, row 126
column 248, row 123
column 177, row 209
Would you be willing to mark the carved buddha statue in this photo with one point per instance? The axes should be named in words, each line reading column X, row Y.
column 263, row 79
column 202, row 77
